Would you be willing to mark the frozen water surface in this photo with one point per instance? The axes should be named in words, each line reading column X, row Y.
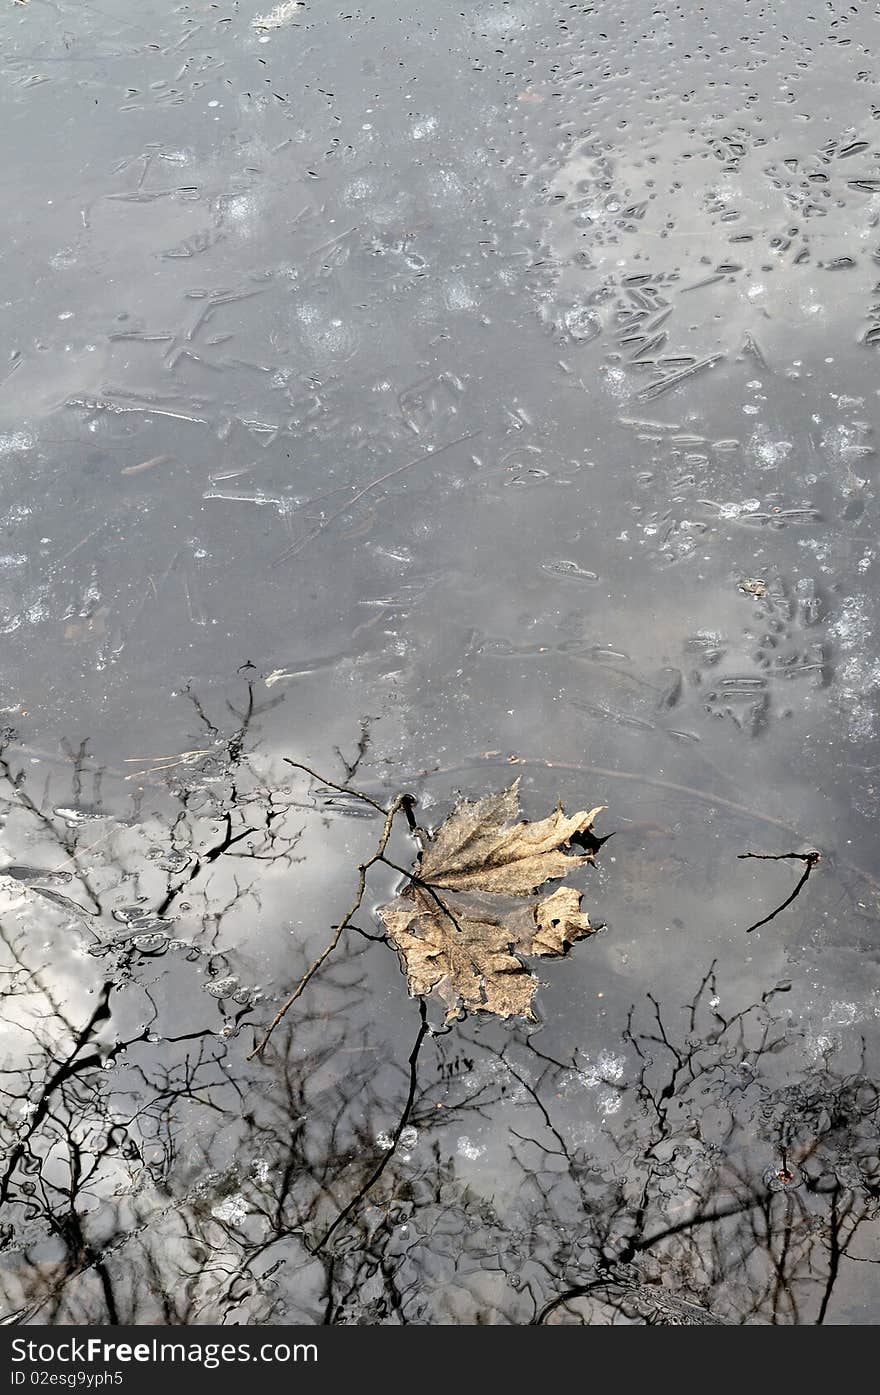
column 432, row 398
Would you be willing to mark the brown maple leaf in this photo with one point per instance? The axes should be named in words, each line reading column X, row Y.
column 469, row 951
column 468, row 948
column 480, row 848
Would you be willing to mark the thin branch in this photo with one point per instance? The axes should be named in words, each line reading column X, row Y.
column 809, row 859
column 781, row 857
column 344, row 789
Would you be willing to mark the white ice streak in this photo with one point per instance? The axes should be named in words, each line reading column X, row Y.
column 282, row 14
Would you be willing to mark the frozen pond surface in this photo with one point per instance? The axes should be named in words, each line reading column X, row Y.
column 435, row 398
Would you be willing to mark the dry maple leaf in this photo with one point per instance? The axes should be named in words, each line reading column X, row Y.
column 558, row 922
column 468, row 950
column 480, row 848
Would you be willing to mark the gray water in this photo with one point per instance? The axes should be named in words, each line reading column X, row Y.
column 436, row 398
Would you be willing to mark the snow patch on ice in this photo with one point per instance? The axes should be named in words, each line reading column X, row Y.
column 233, row 1210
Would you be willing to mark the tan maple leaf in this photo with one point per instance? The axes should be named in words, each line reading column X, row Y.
column 468, row 947
column 481, row 848
column 558, row 922
column 468, row 951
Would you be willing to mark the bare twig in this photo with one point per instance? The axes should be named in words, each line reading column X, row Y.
column 346, row 789
column 781, row 857
column 809, row 859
